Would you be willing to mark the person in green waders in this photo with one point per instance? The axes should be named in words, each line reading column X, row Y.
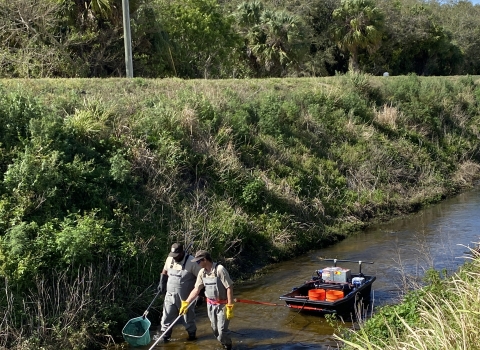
column 177, row 281
column 219, row 293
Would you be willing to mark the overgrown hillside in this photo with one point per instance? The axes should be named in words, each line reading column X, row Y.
column 101, row 176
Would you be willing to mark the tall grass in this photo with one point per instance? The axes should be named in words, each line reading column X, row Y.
column 66, row 310
column 448, row 318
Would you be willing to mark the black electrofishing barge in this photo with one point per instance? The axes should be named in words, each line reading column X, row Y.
column 332, row 290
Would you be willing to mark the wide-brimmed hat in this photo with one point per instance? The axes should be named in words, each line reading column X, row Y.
column 176, row 250
column 201, row 254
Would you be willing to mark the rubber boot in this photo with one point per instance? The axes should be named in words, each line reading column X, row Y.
column 192, row 336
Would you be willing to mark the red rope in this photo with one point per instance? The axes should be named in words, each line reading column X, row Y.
column 246, row 301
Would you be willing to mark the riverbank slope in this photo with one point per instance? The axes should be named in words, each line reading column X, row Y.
column 100, row 177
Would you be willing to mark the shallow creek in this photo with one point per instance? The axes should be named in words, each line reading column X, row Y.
column 401, row 250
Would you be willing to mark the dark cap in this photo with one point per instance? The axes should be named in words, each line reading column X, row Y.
column 176, row 250
column 201, row 254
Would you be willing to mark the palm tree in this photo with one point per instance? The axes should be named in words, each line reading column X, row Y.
column 359, row 26
column 273, row 41
column 249, row 12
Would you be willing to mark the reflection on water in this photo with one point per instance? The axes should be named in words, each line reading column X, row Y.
column 402, row 250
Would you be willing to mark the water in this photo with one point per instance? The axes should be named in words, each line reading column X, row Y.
column 402, row 250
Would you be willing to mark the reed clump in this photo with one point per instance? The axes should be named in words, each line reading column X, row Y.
column 442, row 316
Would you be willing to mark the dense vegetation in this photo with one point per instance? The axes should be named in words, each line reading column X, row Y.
column 99, row 176
column 238, row 38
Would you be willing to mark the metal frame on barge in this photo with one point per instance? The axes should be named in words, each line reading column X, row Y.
column 332, row 290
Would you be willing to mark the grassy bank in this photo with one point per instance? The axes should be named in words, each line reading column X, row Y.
column 101, row 176
column 442, row 316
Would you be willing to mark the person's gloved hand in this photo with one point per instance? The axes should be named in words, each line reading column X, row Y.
column 183, row 308
column 162, row 285
column 229, row 312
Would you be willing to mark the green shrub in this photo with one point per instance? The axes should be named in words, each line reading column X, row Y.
column 253, row 195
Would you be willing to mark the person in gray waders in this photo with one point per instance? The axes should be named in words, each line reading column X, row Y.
column 219, row 293
column 177, row 281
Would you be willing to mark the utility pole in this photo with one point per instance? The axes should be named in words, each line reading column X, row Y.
column 127, row 38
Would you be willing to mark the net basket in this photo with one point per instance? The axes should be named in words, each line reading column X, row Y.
column 136, row 331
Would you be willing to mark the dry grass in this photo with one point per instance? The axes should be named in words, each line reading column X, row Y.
column 388, row 115
column 466, row 172
column 59, row 313
column 446, row 323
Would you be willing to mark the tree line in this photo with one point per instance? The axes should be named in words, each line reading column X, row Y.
column 239, row 39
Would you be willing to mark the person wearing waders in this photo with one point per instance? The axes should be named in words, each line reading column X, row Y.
column 177, row 281
column 219, row 293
